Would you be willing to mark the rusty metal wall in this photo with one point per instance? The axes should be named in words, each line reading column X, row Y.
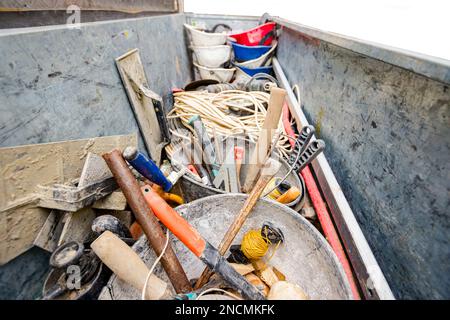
column 388, row 139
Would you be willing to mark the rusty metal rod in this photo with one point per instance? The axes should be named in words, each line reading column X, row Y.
column 147, row 220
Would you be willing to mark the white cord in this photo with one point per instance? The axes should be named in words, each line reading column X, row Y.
column 221, row 290
column 214, row 109
column 144, row 289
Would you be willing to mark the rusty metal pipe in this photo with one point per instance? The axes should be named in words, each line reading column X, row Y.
column 147, row 220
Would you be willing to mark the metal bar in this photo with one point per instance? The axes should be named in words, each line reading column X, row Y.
column 147, row 220
column 368, row 272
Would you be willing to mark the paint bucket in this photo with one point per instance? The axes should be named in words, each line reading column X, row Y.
column 219, row 74
column 264, row 60
column 245, row 53
column 204, row 39
column 212, row 57
column 254, row 36
column 305, row 258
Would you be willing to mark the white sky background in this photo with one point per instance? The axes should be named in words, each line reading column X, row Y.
column 416, row 25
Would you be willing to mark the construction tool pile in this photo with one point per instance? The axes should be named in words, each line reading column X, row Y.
column 215, row 140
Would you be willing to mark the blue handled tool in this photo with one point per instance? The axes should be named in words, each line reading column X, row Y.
column 146, row 167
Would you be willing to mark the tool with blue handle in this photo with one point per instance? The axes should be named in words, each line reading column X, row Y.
column 146, row 167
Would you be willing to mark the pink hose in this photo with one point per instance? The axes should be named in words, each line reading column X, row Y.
column 321, row 210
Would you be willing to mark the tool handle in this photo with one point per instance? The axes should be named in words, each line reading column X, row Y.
column 289, row 196
column 269, row 127
column 127, row 265
column 146, row 167
column 172, row 220
column 302, row 142
column 239, row 153
column 194, row 241
column 267, row 173
column 311, row 152
column 146, row 219
column 207, row 145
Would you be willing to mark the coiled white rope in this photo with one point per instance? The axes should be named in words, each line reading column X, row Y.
column 214, row 110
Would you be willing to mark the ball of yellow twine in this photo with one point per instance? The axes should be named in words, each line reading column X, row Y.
column 254, row 246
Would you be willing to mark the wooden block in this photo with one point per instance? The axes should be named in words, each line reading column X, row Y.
column 279, row 274
column 23, row 168
column 243, row 269
column 268, row 276
column 259, row 265
column 265, row 136
column 114, row 201
column 258, row 283
column 283, row 290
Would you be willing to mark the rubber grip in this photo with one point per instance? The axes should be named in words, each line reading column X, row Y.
column 172, row 220
column 150, row 170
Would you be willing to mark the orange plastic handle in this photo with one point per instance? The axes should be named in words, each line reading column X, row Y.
column 172, row 220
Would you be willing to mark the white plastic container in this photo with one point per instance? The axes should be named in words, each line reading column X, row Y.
column 205, row 39
column 220, row 74
column 212, row 57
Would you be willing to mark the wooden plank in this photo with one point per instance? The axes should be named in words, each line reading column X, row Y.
column 135, row 82
column 242, row 269
column 23, row 168
column 265, row 137
column 104, row 5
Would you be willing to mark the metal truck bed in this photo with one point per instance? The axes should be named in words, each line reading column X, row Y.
column 383, row 113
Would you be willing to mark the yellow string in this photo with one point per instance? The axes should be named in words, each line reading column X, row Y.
column 254, row 246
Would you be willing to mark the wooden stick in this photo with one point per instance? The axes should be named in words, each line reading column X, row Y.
column 268, row 171
column 127, row 265
column 265, row 136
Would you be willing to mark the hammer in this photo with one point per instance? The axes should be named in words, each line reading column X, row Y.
column 198, row 245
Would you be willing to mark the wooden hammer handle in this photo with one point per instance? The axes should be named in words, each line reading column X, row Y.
column 127, row 265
